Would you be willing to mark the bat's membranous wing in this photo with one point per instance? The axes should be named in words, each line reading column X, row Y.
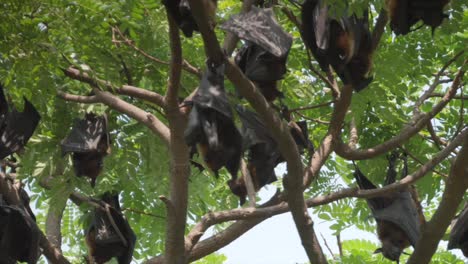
column 253, row 130
column 459, row 234
column 87, row 135
column 260, row 27
column 16, row 128
column 403, row 213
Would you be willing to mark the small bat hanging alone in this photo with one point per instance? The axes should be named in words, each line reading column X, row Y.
column 459, row 233
column 109, row 234
column 263, row 152
column 15, row 127
column 19, row 236
column 345, row 44
column 263, row 58
column 405, row 13
column 89, row 141
column 211, row 126
column 398, row 222
column 182, row 14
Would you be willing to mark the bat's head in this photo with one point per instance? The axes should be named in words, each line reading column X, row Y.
column 390, row 252
column 238, row 188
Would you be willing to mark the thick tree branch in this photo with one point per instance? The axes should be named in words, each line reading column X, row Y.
column 379, row 28
column 418, row 123
column 455, row 188
column 179, row 154
column 334, row 131
column 123, row 90
column 148, row 119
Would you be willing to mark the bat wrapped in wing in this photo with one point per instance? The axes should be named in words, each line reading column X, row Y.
column 406, row 13
column 89, row 141
column 344, row 43
column 15, row 127
column 19, row 236
column 211, row 126
column 110, row 234
column 182, row 14
column 397, row 216
column 263, row 155
column 263, row 57
column 459, row 233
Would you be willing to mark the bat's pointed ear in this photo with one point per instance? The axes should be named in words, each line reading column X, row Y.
column 377, row 251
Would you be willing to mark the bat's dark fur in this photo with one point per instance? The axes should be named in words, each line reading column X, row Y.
column 405, row 13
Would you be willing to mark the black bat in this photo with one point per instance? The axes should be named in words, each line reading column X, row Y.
column 15, row 127
column 19, row 237
column 263, row 68
column 110, row 234
column 459, row 233
column 263, row 152
column 89, row 141
column 405, row 13
column 182, row 14
column 263, row 155
column 345, row 44
column 211, row 125
column 263, row 58
column 398, row 222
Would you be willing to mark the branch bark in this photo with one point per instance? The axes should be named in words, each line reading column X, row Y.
column 179, row 154
column 455, row 188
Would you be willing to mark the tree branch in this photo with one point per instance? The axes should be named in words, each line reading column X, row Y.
column 379, row 28
column 124, row 90
column 419, row 122
column 179, row 154
column 455, row 189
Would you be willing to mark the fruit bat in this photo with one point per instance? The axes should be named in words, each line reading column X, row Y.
column 263, row 58
column 19, row 236
column 405, row 13
column 263, row 68
column 109, row 234
column 211, row 126
column 182, row 14
column 459, row 233
column 344, row 43
column 15, row 127
column 263, row 152
column 398, row 222
column 89, row 141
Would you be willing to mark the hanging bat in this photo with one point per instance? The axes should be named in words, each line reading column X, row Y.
column 263, row 68
column 110, row 234
column 19, row 237
column 398, row 222
column 89, row 141
column 182, row 14
column 345, row 44
column 405, row 13
column 263, row 58
column 459, row 232
column 15, row 127
column 263, row 152
column 210, row 124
